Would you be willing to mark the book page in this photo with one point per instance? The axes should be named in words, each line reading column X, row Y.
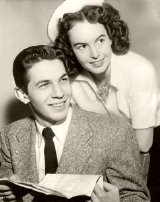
column 71, row 185
column 63, row 185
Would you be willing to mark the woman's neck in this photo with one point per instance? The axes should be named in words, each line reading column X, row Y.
column 102, row 79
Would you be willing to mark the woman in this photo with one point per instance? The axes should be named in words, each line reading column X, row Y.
column 95, row 39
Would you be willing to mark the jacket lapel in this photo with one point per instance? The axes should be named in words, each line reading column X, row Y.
column 26, row 149
column 77, row 146
column 76, row 150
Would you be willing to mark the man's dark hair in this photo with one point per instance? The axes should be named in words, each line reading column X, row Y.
column 116, row 28
column 30, row 56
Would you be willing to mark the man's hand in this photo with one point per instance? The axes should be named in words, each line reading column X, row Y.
column 109, row 194
column 6, row 192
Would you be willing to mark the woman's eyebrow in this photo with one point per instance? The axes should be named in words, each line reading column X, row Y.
column 79, row 43
column 82, row 43
column 102, row 35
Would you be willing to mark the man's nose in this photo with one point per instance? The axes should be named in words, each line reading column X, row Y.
column 57, row 91
column 94, row 53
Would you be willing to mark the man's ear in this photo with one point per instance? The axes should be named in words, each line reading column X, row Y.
column 21, row 95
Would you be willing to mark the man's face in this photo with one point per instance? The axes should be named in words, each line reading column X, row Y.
column 49, row 91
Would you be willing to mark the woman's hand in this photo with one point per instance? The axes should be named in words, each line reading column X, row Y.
column 144, row 138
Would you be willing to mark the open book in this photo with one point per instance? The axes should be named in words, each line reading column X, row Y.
column 63, row 185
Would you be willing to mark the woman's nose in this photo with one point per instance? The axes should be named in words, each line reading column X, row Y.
column 94, row 53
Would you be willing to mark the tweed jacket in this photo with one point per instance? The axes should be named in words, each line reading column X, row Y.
column 95, row 144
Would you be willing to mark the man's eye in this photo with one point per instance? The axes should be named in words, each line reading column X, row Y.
column 43, row 85
column 65, row 79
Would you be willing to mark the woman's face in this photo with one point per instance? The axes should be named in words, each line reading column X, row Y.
column 91, row 45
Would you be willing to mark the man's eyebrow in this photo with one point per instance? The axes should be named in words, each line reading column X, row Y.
column 47, row 81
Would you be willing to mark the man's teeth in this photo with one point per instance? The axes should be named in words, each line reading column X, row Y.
column 58, row 104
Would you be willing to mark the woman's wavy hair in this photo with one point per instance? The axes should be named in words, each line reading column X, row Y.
column 116, row 28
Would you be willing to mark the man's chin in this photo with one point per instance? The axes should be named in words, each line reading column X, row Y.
column 61, row 115
column 60, row 119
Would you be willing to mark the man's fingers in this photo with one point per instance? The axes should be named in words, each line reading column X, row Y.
column 109, row 193
column 4, row 188
column 14, row 178
column 109, row 187
column 97, row 190
column 11, row 197
column 94, row 197
column 8, row 198
column 6, row 193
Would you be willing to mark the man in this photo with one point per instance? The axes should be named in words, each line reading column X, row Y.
column 85, row 142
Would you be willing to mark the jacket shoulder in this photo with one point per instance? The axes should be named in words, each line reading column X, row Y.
column 14, row 127
column 100, row 123
column 110, row 129
column 109, row 120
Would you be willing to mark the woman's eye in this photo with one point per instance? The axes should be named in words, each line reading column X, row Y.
column 101, row 40
column 81, row 47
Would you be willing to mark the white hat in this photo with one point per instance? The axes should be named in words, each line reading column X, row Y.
column 68, row 6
